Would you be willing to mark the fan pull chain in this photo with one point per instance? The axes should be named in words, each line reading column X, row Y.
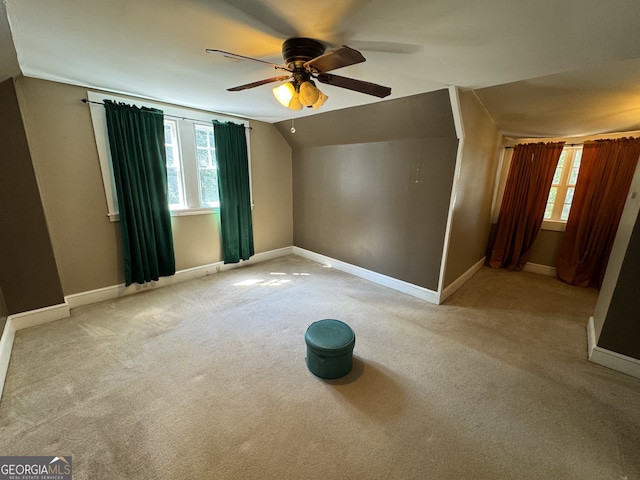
column 293, row 127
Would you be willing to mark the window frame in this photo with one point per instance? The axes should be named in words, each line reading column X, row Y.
column 185, row 119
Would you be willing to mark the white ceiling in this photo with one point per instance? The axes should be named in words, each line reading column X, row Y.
column 542, row 68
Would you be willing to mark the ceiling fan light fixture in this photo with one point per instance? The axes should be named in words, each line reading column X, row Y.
column 306, row 59
column 284, row 93
column 308, row 93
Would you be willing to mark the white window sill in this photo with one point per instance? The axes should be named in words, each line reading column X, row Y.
column 115, row 217
column 553, row 225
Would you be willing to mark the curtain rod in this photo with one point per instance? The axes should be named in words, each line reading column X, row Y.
column 566, row 145
column 86, row 100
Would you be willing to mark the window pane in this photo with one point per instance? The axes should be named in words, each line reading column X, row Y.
column 578, row 156
column 174, row 165
column 566, row 208
column 174, row 186
column 201, row 137
column 569, row 198
column 203, row 157
column 573, row 178
column 207, row 174
column 209, row 187
column 558, row 175
column 548, row 211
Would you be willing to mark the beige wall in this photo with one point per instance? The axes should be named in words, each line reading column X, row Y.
column 471, row 217
column 86, row 244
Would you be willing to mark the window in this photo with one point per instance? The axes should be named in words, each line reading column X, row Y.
column 191, row 166
column 174, row 165
column 191, row 156
column 563, row 186
column 207, row 169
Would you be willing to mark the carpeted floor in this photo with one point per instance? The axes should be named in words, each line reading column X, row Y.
column 207, row 379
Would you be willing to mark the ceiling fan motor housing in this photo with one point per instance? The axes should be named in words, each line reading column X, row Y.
column 297, row 51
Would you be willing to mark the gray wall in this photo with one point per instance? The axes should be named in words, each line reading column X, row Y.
column 28, row 273
column 372, row 185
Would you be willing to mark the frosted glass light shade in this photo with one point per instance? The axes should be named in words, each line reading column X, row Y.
column 284, row 93
column 295, row 104
column 321, row 99
column 308, row 94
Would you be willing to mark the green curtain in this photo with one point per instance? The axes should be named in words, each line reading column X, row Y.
column 136, row 140
column 235, row 197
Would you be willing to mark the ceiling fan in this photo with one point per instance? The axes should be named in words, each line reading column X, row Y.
column 305, row 61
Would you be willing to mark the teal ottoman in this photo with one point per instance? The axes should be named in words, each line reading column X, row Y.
column 329, row 348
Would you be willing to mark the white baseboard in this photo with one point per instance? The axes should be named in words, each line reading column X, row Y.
column 380, row 279
column 462, row 279
column 610, row 359
column 541, row 269
column 33, row 318
column 6, row 345
column 115, row 291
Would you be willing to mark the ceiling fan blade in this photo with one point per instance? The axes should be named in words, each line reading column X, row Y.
column 333, row 59
column 235, row 56
column 353, row 84
column 258, row 83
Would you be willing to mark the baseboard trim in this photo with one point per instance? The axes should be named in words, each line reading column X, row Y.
column 541, row 269
column 608, row 358
column 462, row 279
column 115, row 291
column 384, row 280
column 6, row 345
column 40, row 316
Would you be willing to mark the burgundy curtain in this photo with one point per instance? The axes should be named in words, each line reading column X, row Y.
column 523, row 203
column 605, row 176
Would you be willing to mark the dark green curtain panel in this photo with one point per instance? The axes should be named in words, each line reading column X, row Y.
column 136, row 139
column 233, row 186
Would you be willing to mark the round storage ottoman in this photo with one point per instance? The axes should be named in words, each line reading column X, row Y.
column 329, row 348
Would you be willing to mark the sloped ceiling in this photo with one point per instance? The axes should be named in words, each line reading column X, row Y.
column 544, row 68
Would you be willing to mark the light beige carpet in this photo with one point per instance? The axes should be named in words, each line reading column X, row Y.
column 207, row 379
